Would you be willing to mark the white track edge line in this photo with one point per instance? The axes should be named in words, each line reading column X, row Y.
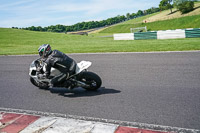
column 105, row 53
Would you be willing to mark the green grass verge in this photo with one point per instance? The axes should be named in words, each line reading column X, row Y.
column 138, row 20
column 16, row 42
column 179, row 23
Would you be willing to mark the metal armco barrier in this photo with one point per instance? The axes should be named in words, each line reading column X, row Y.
column 167, row 34
column 124, row 36
column 145, row 35
column 192, row 33
column 171, row 34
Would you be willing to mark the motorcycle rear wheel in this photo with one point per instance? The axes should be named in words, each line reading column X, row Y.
column 91, row 79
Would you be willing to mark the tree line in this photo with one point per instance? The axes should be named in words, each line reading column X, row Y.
column 182, row 5
column 91, row 24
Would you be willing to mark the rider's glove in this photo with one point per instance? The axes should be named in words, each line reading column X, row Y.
column 38, row 69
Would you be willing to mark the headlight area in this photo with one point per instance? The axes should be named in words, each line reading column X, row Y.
column 32, row 69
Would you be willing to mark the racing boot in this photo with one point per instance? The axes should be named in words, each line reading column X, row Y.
column 58, row 79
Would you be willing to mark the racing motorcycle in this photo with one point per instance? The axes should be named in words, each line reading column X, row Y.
column 80, row 78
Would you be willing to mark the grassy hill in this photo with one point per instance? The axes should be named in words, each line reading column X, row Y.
column 166, row 15
column 15, row 42
column 160, row 21
column 179, row 23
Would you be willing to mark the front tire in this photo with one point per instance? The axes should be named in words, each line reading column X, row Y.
column 91, row 79
column 40, row 86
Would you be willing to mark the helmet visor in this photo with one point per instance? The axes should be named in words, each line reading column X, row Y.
column 41, row 52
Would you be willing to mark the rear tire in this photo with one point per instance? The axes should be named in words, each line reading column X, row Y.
column 91, row 79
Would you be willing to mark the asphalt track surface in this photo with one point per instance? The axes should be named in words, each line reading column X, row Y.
column 153, row 88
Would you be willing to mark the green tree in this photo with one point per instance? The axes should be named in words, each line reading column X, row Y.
column 33, row 28
column 177, row 2
column 140, row 13
column 186, row 7
column 39, row 28
column 166, row 4
column 133, row 15
column 128, row 16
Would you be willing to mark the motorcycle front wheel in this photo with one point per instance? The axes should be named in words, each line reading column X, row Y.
column 92, row 80
column 40, row 86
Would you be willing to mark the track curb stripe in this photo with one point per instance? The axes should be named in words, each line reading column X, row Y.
column 18, row 122
column 28, row 121
column 134, row 130
column 7, row 118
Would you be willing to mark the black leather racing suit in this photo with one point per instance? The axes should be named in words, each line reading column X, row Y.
column 62, row 62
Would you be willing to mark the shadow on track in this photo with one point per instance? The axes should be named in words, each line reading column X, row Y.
column 79, row 92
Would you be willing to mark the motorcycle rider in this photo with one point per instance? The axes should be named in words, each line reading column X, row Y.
column 58, row 60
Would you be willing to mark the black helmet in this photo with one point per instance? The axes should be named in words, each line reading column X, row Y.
column 44, row 50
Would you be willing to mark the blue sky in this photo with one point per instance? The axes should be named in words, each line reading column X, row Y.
column 26, row 13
